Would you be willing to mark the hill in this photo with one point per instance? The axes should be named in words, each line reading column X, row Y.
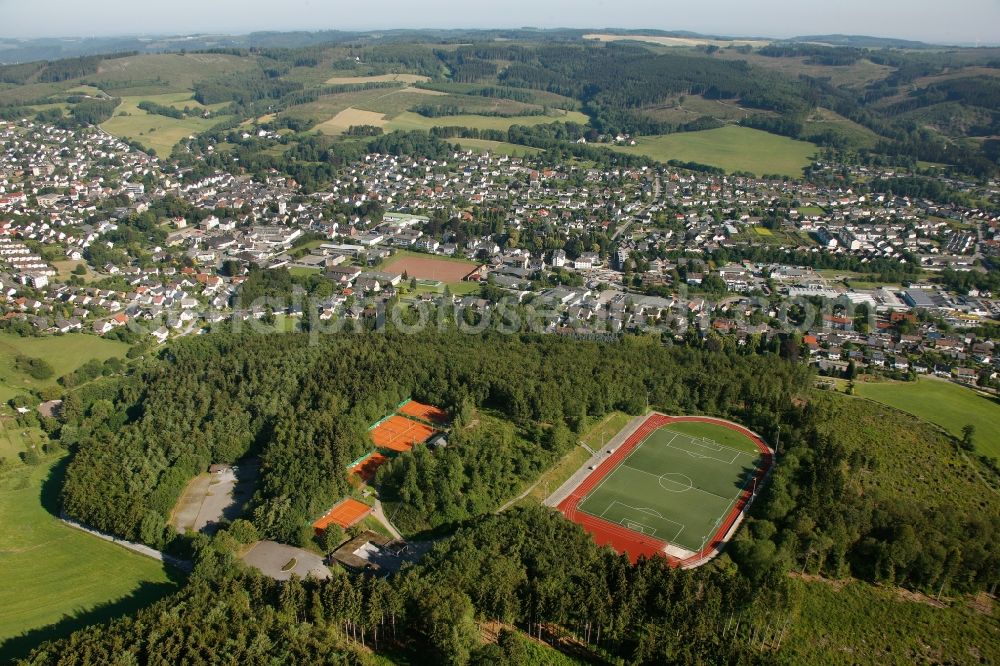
column 948, row 405
column 731, row 148
column 882, row 97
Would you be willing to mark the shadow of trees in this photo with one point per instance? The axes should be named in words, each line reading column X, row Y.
column 18, row 647
column 145, row 594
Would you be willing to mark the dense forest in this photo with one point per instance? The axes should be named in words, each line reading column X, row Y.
column 527, row 568
column 305, row 410
column 842, row 500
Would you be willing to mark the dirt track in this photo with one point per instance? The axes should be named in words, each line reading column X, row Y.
column 429, row 268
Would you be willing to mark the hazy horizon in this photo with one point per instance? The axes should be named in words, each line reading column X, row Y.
column 960, row 22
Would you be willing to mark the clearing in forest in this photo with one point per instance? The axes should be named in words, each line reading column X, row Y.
column 676, row 486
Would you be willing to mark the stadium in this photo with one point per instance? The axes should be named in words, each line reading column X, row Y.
column 675, row 487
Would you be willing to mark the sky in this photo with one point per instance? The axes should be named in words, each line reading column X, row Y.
column 954, row 22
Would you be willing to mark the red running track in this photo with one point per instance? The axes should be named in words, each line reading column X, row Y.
column 635, row 544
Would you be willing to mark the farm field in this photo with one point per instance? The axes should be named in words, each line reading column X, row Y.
column 540, row 97
column 390, row 108
column 56, row 578
column 731, row 148
column 428, row 267
column 379, row 78
column 349, row 117
column 64, row 353
column 154, row 131
column 674, row 486
column 414, row 121
column 944, row 403
column 497, row 147
column 677, row 41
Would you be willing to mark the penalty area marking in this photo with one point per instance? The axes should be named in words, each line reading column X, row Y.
column 649, row 512
column 636, row 526
column 697, row 454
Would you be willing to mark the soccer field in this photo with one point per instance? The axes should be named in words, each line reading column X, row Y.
column 674, row 487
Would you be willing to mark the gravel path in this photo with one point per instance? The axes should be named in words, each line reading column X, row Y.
column 183, row 565
column 566, row 489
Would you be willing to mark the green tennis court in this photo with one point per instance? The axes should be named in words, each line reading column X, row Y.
column 675, row 486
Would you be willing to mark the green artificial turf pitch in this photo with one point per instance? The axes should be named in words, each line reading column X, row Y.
column 673, row 486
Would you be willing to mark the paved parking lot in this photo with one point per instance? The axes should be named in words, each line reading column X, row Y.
column 271, row 558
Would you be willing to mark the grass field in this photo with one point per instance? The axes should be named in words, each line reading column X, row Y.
column 64, row 353
column 859, row 74
column 824, row 120
column 66, row 267
column 15, row 439
column 904, row 457
column 731, row 148
column 414, row 121
column 944, row 403
column 675, row 486
column 301, row 271
column 58, row 579
column 674, row 110
column 595, row 437
column 497, row 147
column 155, row 131
column 710, row 431
column 842, row 624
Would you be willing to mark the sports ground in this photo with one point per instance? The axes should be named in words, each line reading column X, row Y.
column 676, row 486
column 345, row 513
column 411, row 424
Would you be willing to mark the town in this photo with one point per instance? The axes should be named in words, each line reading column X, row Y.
column 98, row 237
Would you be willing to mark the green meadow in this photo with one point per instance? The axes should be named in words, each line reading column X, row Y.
column 58, row 579
column 414, row 121
column 497, row 147
column 731, row 148
column 946, row 404
column 157, row 132
column 65, row 353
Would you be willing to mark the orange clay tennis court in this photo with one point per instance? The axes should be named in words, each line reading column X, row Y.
column 346, row 513
column 366, row 468
column 398, row 433
column 428, row 413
